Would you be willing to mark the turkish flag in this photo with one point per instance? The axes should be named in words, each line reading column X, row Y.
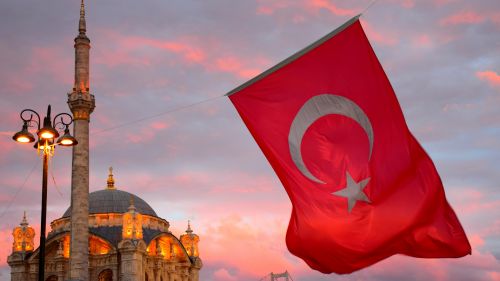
column 361, row 186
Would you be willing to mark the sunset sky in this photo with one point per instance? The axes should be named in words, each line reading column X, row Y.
column 200, row 163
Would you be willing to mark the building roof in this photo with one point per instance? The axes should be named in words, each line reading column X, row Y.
column 114, row 234
column 114, row 201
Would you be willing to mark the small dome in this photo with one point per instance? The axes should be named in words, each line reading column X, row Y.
column 114, row 201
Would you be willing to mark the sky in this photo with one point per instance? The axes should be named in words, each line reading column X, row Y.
column 200, row 163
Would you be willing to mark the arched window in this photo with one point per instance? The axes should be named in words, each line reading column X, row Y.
column 106, row 275
column 51, row 278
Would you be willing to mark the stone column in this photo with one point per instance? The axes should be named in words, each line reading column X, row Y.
column 132, row 255
column 81, row 105
column 80, row 203
column 18, row 267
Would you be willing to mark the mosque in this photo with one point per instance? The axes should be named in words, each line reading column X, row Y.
column 106, row 235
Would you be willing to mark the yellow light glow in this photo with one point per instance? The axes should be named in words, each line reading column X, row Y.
column 66, row 246
column 46, row 148
column 82, row 87
column 47, row 135
column 23, row 238
column 66, row 142
column 98, row 246
column 132, row 225
column 23, row 139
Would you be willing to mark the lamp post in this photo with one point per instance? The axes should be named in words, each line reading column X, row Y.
column 48, row 138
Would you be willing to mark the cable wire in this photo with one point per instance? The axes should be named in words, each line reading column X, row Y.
column 369, row 6
column 51, row 168
column 55, row 184
column 156, row 115
column 9, row 204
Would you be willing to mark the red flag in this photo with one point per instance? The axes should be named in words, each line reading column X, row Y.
column 361, row 186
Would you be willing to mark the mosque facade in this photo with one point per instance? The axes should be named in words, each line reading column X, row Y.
column 109, row 234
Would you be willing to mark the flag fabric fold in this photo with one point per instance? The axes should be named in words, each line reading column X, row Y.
column 361, row 186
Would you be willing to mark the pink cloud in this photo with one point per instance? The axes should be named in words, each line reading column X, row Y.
column 114, row 58
column 147, row 133
column 465, row 17
column 422, row 40
column 493, row 229
column 443, row 2
column 18, row 84
column 324, row 4
column 489, row 76
column 495, row 276
column 216, row 184
column 268, row 7
column 223, row 275
column 384, row 38
column 158, row 125
column 472, row 201
column 48, row 60
column 7, row 142
column 6, row 241
column 133, row 50
column 235, row 65
column 495, row 17
column 408, row 4
column 189, row 52
column 255, row 247
column 476, row 241
column 43, row 62
column 126, row 47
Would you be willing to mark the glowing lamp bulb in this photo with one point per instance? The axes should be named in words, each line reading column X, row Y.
column 23, row 139
column 47, row 135
column 67, row 142
column 24, row 136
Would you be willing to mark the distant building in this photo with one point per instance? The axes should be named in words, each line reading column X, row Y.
column 106, row 235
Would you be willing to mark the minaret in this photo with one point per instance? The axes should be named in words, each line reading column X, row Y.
column 190, row 241
column 23, row 237
column 81, row 103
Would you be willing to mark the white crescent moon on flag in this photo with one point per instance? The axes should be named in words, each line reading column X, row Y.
column 315, row 108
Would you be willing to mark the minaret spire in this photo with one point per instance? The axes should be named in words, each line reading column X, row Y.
column 24, row 222
column 82, row 103
column 82, row 27
column 82, row 48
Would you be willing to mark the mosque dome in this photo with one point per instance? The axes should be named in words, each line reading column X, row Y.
column 107, row 211
column 114, row 201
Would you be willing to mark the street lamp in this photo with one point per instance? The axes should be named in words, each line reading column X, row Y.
column 47, row 140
